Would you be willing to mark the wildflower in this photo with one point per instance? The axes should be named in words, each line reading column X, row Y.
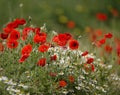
column 62, row 37
column 3, row 36
column 1, row 47
column 85, row 53
column 12, row 44
column 101, row 16
column 43, row 48
column 90, row 60
column 37, row 30
column 62, row 83
column 53, row 58
column 108, row 48
column 27, row 49
column 7, row 30
column 23, row 58
column 41, row 39
column 41, row 62
column 52, row 74
column 98, row 32
column 114, row 12
column 20, row 21
column 68, row 36
column 14, row 35
column 25, row 32
column 102, row 41
column 70, row 24
column 92, row 67
column 73, row 44
column 71, row 79
column 108, row 35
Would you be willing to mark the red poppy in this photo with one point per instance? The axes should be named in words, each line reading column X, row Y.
column 73, row 44
column 25, row 32
column 89, row 67
column 90, row 60
column 7, row 30
column 102, row 41
column 53, row 74
column 27, row 49
column 20, row 21
column 108, row 48
column 12, row 44
column 98, row 32
column 14, row 35
column 62, row 37
column 37, row 30
column 53, row 58
column 1, row 47
column 101, row 16
column 3, row 35
column 118, row 49
column 41, row 62
column 39, row 39
column 12, row 25
column 108, row 35
column 114, row 12
column 71, row 79
column 23, row 58
column 71, row 24
column 92, row 67
column 43, row 48
column 62, row 83
column 85, row 53
column 68, row 36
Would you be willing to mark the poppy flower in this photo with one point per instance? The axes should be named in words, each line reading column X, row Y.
column 108, row 48
column 1, row 47
column 53, row 58
column 89, row 67
column 37, row 30
column 3, row 36
column 7, row 30
column 71, row 79
column 90, row 60
column 26, row 32
column 73, row 44
column 115, row 12
column 101, row 16
column 43, row 48
column 62, row 83
column 102, row 41
column 12, row 25
column 27, row 49
column 41, row 62
column 23, row 58
column 39, row 39
column 68, row 36
column 62, row 37
column 85, row 53
column 20, row 21
column 12, row 44
column 108, row 35
column 70, row 24
column 14, row 35
column 61, row 40
column 53, row 74
column 98, row 32
column 92, row 67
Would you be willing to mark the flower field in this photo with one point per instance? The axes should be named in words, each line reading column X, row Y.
column 35, row 61
column 65, row 47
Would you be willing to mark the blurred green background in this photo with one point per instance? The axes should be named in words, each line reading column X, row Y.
column 56, row 13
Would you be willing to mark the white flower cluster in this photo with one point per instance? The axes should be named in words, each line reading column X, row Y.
column 13, row 87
